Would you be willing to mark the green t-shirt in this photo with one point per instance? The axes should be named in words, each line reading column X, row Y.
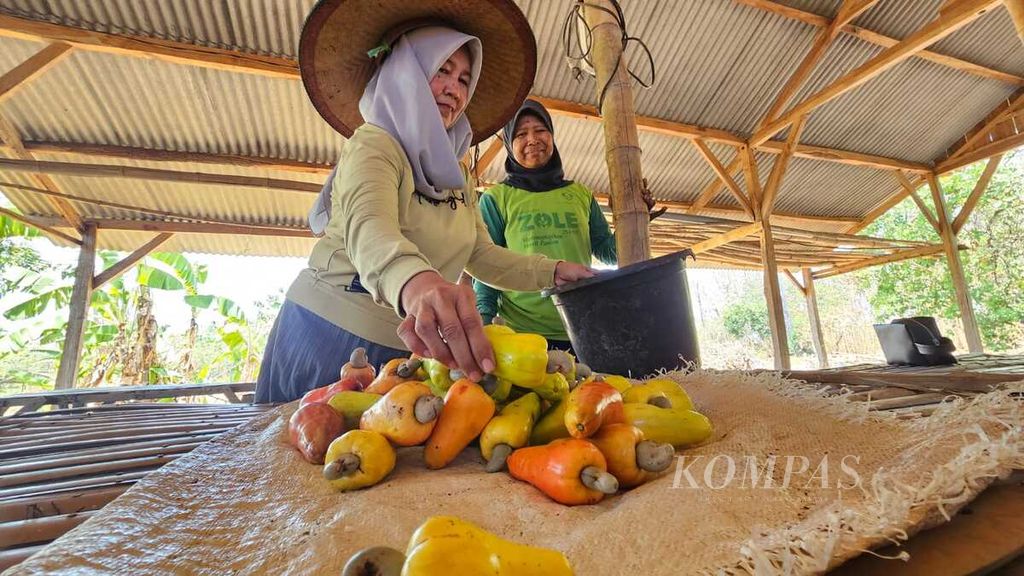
column 565, row 224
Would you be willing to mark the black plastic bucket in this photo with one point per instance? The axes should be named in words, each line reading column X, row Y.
column 633, row 321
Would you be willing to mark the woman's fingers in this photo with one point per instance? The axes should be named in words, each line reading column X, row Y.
column 407, row 332
column 426, row 329
column 566, row 272
column 450, row 326
column 479, row 345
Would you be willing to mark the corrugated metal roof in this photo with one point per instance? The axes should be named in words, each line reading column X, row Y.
column 107, row 99
column 820, row 7
column 811, row 187
column 987, row 41
column 720, row 64
column 260, row 26
column 899, row 18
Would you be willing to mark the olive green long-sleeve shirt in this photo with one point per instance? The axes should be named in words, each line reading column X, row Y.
column 383, row 231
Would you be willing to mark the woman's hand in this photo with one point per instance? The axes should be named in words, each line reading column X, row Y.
column 566, row 272
column 442, row 323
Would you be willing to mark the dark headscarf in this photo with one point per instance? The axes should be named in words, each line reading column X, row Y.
column 548, row 176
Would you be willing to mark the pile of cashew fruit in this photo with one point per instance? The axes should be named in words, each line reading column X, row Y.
column 574, row 435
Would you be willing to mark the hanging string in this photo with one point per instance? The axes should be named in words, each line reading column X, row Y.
column 577, row 51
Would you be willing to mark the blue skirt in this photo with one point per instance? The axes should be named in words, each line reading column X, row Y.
column 304, row 352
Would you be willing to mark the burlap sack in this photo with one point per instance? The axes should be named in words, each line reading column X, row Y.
column 246, row 503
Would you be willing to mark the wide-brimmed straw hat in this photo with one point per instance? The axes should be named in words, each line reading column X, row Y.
column 339, row 34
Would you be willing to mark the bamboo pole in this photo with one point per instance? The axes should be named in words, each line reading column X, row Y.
column 81, row 293
column 956, row 270
column 622, row 145
column 814, row 318
column 53, row 505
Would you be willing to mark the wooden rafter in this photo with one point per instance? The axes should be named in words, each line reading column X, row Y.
column 129, row 260
column 957, row 16
column 753, row 180
column 488, row 157
column 152, row 47
column 885, row 41
column 847, row 13
column 151, row 155
column 112, row 171
column 796, row 283
column 187, row 227
column 9, row 135
column 912, row 192
column 778, row 172
column 35, row 223
column 35, row 66
column 1016, row 10
column 726, row 237
column 723, row 175
column 846, row 157
column 983, row 130
column 167, row 214
column 982, row 152
column 897, row 256
column 711, row 190
column 979, row 189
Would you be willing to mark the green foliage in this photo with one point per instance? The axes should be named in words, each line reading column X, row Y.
column 993, row 264
column 120, row 337
column 747, row 318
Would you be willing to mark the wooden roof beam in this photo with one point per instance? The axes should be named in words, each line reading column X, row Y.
column 957, row 16
column 185, row 227
column 9, row 135
column 987, row 151
column 872, row 37
column 849, row 11
column 912, row 192
column 35, row 66
column 898, row 256
column 149, row 46
column 983, row 130
column 128, row 261
column 110, row 171
column 40, row 225
column 488, row 157
column 726, row 237
column 152, row 155
column 979, row 189
column 724, row 175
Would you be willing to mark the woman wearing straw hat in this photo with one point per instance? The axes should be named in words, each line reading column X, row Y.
column 408, row 84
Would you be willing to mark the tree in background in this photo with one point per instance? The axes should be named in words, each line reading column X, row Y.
column 993, row 264
column 121, row 338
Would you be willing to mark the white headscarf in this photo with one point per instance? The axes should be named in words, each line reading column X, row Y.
column 398, row 99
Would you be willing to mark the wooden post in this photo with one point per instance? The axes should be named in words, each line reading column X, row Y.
column 814, row 318
column 1016, row 10
column 773, row 296
column 772, row 290
column 949, row 242
column 622, row 145
column 80, row 296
